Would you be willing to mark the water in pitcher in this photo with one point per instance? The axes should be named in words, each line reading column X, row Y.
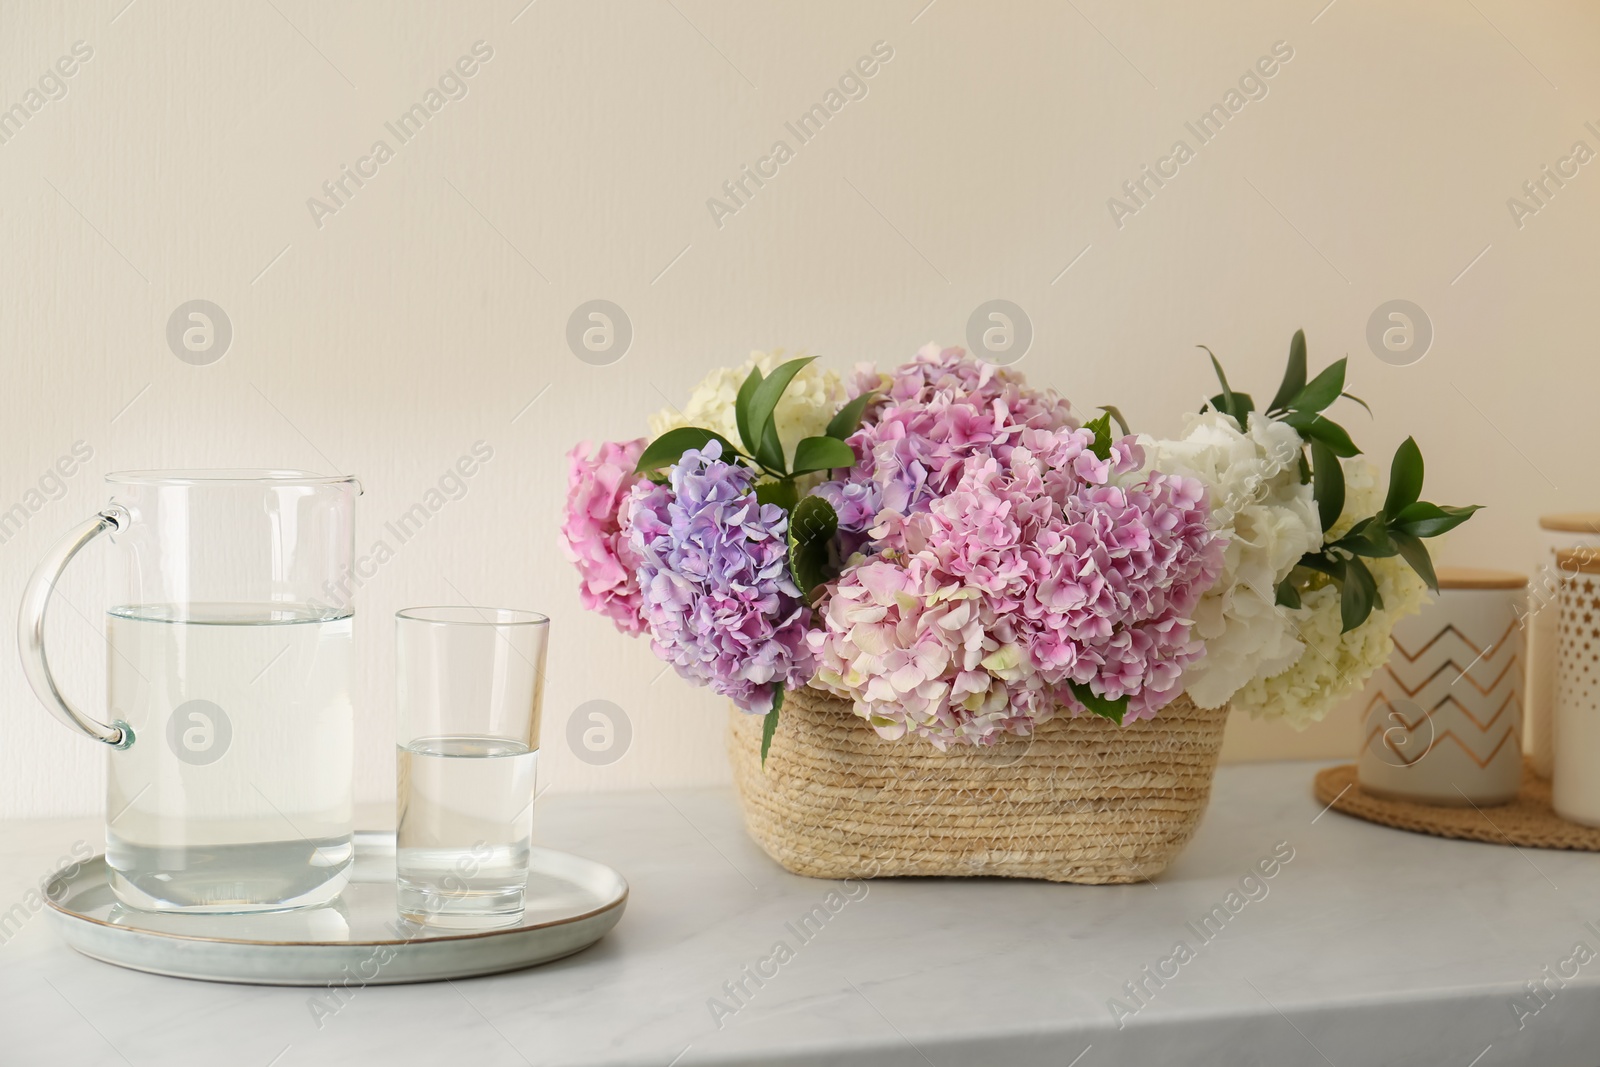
column 235, row 795
column 465, row 829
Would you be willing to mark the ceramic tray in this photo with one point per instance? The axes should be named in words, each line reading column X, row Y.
column 358, row 939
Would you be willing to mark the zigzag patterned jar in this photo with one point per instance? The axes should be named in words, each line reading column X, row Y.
column 1443, row 720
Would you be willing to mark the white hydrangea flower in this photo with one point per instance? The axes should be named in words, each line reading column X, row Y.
column 810, row 402
column 1270, row 521
column 1336, row 665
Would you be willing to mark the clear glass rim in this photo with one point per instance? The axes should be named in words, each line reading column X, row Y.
column 226, row 475
column 467, row 615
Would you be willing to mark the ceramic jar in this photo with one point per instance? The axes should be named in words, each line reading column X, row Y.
column 1575, row 786
column 1557, row 533
column 1443, row 722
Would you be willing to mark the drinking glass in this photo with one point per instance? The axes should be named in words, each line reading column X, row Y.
column 470, row 684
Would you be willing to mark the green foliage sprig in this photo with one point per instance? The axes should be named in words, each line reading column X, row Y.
column 812, row 521
column 758, row 433
column 1398, row 528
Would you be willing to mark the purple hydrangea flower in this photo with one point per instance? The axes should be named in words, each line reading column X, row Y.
column 713, row 571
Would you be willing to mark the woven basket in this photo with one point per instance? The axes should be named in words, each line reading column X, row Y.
column 1082, row 800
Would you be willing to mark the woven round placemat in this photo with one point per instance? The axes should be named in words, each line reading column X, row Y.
column 1528, row 821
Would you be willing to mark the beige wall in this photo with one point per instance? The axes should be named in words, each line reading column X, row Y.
column 428, row 312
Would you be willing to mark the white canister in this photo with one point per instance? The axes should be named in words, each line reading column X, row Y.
column 1575, row 786
column 1443, row 721
column 1558, row 532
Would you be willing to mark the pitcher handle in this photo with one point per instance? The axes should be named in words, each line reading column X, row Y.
column 30, row 628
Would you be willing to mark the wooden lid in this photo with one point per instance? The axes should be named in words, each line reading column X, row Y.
column 1480, row 578
column 1578, row 560
column 1584, row 522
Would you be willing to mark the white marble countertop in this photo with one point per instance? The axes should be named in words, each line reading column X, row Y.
column 1368, row 946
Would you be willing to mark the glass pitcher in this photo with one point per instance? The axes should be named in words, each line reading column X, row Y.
column 230, row 739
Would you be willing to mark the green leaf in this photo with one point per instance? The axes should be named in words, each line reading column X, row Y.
column 1288, row 596
column 1227, row 393
column 769, row 451
column 1416, row 554
column 667, row 449
column 1116, row 417
column 1316, row 561
column 1359, row 528
column 764, row 399
column 848, row 420
column 812, row 524
column 1243, row 405
column 1101, row 428
column 1405, row 477
column 1423, row 519
column 741, row 410
column 1104, row 707
column 1323, row 390
column 1334, row 436
column 1305, row 468
column 1231, row 402
column 1315, row 427
column 769, row 725
column 1357, row 596
column 1328, row 486
column 1294, row 375
column 1370, row 538
column 821, row 454
column 1418, row 510
column 1358, row 400
column 781, row 492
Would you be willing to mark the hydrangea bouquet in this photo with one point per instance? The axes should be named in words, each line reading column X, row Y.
column 961, row 557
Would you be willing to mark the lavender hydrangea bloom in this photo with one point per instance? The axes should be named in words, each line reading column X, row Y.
column 856, row 502
column 718, row 599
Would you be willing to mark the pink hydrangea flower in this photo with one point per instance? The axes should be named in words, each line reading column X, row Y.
column 1034, row 571
column 594, row 531
column 942, row 408
column 953, row 373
